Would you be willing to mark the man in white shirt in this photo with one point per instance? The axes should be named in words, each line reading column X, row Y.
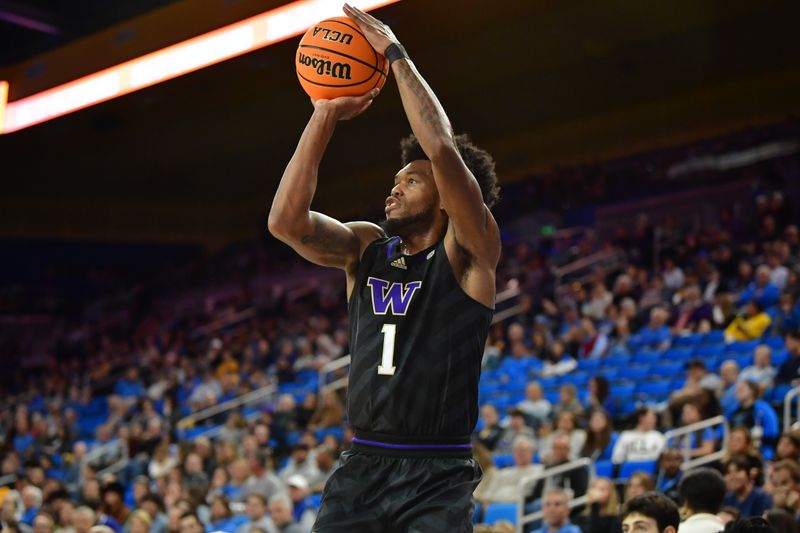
column 505, row 483
column 761, row 372
column 702, row 491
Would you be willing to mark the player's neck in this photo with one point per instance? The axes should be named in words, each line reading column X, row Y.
column 416, row 242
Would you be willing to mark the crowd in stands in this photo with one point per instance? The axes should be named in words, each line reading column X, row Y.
column 705, row 323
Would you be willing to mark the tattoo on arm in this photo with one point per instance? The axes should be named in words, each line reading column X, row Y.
column 326, row 238
column 428, row 108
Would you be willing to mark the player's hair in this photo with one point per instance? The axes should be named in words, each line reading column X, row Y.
column 703, row 490
column 478, row 161
column 656, row 506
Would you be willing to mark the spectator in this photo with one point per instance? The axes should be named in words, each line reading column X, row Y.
column 781, row 521
column 326, row 464
column 505, row 483
column 139, row 522
column 762, row 290
column 256, row 511
column 788, row 446
column 516, row 428
column 600, row 436
column 789, row 372
column 670, row 473
column 303, row 515
column 729, row 372
column 484, row 458
column 754, row 413
column 568, row 401
column 559, row 362
column 565, row 425
column 650, row 513
column 784, row 485
column 698, row 443
column 491, row 433
column 742, row 492
column 300, row 464
column 536, row 408
column 594, row 343
column 750, row 325
column 329, row 414
column 702, row 492
column 638, row 484
column 693, row 310
column 576, row 480
column 656, row 333
column 673, row 275
column 602, row 514
column 642, row 443
column 32, row 502
column 114, row 503
column 43, row 523
column 190, row 523
column 599, row 394
column 787, row 316
column 153, row 505
column 556, row 513
column 761, row 372
column 740, row 444
column 282, row 513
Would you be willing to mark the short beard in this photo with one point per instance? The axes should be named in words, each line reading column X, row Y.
column 406, row 226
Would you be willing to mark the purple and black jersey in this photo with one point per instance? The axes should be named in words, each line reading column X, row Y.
column 417, row 340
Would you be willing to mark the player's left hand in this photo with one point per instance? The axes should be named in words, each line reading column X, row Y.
column 378, row 34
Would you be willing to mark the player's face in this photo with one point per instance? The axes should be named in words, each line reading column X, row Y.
column 413, row 199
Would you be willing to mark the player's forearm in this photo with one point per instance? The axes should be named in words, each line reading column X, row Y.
column 425, row 114
column 292, row 202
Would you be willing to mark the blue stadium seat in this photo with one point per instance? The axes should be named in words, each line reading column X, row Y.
column 713, row 337
column 774, row 342
column 615, row 361
column 705, row 351
column 743, row 359
column 687, row 340
column 678, row 354
column 777, row 393
column 647, row 358
column 654, row 390
column 500, row 511
column 603, row 468
column 503, row 460
column 609, row 373
column 579, row 379
column 313, row 500
column 337, row 432
column 779, row 356
column 633, row 372
column 668, row 369
column 589, row 365
column 742, row 346
column 630, row 467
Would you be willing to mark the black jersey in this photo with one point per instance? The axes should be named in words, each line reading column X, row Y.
column 416, row 340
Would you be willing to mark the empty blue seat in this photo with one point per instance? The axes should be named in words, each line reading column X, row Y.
column 779, row 356
column 647, row 358
column 579, row 379
column 668, row 369
column 500, row 511
column 633, row 372
column 654, row 390
column 713, row 337
column 615, row 361
column 630, row 467
column 687, row 340
column 589, row 364
column 776, row 395
column 337, row 432
column 314, row 500
column 705, row 351
column 678, row 354
column 774, row 342
column 742, row 346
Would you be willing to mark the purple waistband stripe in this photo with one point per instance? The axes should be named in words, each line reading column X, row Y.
column 412, row 446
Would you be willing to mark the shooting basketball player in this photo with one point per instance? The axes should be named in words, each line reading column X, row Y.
column 421, row 290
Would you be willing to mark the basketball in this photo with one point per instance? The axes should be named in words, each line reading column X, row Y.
column 335, row 59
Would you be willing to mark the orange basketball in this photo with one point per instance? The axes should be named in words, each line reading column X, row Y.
column 335, row 59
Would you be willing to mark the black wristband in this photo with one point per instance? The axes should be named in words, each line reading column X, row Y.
column 394, row 52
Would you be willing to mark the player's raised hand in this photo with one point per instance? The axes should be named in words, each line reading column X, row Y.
column 378, row 34
column 347, row 107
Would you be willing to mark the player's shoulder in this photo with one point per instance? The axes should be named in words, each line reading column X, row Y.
column 366, row 231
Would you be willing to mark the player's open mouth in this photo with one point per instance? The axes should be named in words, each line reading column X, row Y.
column 391, row 203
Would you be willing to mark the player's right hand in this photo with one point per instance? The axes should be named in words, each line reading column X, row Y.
column 347, row 107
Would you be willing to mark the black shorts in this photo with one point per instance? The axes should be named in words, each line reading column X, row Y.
column 370, row 492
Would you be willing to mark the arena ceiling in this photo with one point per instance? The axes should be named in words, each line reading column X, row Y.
column 198, row 158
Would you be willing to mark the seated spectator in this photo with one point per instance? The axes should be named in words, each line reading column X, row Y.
column 139, row 522
column 753, row 413
column 761, row 372
column 638, row 484
column 516, row 428
column 190, row 523
column 740, row 444
column 483, row 457
column 556, row 513
column 601, row 515
column 750, row 325
column 301, row 463
column 656, row 333
column 43, row 522
column 741, row 490
column 728, row 514
column 329, row 414
column 698, row 379
column 303, row 515
column 784, row 486
column 505, row 483
column 729, row 372
column 788, row 446
column 787, row 316
column 84, row 519
column 256, row 511
column 536, row 408
column 282, row 512
column 643, row 442
column 114, row 502
column 600, row 436
column 130, row 386
column 32, row 502
column 650, row 513
column 575, row 480
column 698, row 443
column 599, row 394
column 491, row 433
column 326, row 464
column 593, row 342
column 761, row 290
column 670, row 473
column 568, row 401
column 559, row 362
column 565, row 425
column 693, row 310
column 789, row 372
column 702, row 492
column 781, row 521
column 601, row 298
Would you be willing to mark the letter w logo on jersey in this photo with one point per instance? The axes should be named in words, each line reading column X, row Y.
column 391, row 297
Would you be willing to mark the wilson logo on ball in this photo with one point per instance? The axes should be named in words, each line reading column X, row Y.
column 324, row 67
column 334, row 59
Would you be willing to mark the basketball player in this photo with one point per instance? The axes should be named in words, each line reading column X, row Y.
column 421, row 292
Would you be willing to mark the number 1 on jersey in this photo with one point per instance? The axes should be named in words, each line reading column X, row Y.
column 386, row 368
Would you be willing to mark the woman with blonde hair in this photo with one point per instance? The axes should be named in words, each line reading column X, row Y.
column 602, row 513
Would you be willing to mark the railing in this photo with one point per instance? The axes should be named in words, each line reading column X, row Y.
column 116, row 448
column 787, row 407
column 251, row 397
column 530, row 481
column 688, row 462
